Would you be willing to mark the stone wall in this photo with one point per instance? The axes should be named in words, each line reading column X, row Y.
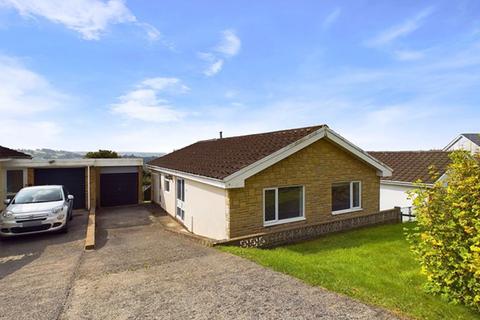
column 272, row 239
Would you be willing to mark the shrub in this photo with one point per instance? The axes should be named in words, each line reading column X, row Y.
column 446, row 238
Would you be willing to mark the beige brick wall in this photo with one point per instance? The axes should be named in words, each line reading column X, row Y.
column 316, row 168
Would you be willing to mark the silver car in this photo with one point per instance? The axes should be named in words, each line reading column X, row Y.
column 36, row 209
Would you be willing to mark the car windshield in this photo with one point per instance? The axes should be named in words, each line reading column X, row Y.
column 38, row 195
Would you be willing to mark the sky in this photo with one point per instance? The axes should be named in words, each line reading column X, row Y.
column 155, row 76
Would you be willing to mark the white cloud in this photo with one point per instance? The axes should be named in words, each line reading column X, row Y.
column 152, row 33
column 24, row 92
column 331, row 18
column 143, row 103
column 228, row 47
column 33, row 133
column 230, row 43
column 408, row 55
column 90, row 18
column 214, row 68
column 165, row 84
column 401, row 30
column 28, row 104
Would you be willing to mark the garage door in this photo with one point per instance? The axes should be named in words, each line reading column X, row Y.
column 72, row 178
column 118, row 189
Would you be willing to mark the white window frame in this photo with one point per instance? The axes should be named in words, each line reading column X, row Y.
column 352, row 208
column 282, row 221
column 165, row 180
column 25, row 178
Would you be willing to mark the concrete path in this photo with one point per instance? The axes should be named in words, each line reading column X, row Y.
column 141, row 271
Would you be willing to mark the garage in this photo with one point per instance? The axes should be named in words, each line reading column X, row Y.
column 72, row 178
column 118, row 186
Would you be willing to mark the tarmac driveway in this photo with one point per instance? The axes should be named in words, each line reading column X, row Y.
column 141, row 271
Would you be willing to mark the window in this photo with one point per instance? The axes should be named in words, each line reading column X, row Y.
column 14, row 181
column 181, row 189
column 346, row 197
column 167, row 185
column 282, row 205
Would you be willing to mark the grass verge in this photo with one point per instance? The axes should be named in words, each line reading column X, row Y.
column 373, row 265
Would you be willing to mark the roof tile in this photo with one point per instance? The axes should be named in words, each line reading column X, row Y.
column 6, row 153
column 410, row 166
column 219, row 158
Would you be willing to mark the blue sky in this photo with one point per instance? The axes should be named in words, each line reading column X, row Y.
column 158, row 75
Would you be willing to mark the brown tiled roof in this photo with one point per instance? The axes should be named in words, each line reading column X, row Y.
column 219, row 158
column 410, row 166
column 6, row 153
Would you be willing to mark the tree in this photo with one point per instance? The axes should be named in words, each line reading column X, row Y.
column 446, row 239
column 102, row 154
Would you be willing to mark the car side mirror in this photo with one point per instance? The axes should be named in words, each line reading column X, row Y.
column 7, row 201
column 70, row 197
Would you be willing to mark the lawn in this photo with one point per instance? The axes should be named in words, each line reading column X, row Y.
column 373, row 265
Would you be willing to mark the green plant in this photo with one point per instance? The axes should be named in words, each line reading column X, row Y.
column 446, row 239
column 102, row 154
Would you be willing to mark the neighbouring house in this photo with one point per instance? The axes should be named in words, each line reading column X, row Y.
column 93, row 182
column 233, row 187
column 465, row 141
column 408, row 168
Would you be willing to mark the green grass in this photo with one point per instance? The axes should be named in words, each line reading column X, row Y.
column 373, row 265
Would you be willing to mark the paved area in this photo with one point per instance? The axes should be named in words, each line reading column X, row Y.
column 36, row 272
column 141, row 271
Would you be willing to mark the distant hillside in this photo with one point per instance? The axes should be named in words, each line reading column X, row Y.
column 52, row 154
column 62, row 154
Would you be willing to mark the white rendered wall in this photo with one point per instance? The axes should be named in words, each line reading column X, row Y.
column 205, row 206
column 205, row 210
column 394, row 196
column 465, row 144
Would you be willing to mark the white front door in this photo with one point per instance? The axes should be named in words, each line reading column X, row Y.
column 181, row 199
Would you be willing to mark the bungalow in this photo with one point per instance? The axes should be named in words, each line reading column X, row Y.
column 240, row 186
column 93, row 182
column 465, row 141
column 408, row 168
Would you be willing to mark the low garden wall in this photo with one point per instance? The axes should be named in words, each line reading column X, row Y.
column 272, row 239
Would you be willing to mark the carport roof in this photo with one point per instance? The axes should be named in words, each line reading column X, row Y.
column 6, row 153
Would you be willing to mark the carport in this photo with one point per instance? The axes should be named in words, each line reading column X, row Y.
column 93, row 182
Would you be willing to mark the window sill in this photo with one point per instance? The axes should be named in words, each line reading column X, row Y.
column 274, row 223
column 346, row 211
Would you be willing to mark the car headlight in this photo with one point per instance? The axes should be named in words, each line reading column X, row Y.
column 56, row 211
column 7, row 215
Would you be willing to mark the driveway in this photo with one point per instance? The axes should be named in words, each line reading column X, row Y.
column 36, row 272
column 141, row 271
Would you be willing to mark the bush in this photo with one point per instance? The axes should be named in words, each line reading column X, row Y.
column 446, row 239
column 101, row 154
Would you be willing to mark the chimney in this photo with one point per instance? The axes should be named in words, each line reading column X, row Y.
column 221, row 134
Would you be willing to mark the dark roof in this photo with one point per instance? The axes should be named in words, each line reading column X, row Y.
column 410, row 166
column 6, row 153
column 474, row 137
column 219, row 158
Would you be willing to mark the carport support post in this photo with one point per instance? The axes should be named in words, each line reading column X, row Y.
column 92, row 184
